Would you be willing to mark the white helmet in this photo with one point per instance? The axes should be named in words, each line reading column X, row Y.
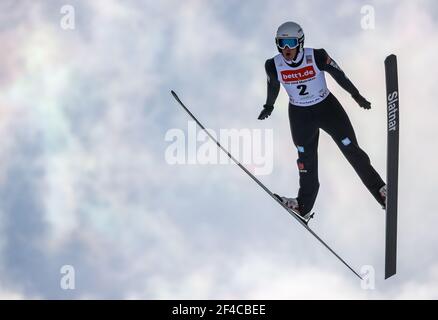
column 290, row 34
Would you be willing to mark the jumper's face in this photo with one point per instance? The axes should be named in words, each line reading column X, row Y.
column 289, row 53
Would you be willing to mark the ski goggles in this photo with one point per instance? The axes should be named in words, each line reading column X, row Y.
column 287, row 42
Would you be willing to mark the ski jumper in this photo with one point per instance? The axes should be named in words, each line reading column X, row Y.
column 312, row 107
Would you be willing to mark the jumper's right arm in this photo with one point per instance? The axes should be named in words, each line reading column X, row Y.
column 273, row 83
column 273, row 89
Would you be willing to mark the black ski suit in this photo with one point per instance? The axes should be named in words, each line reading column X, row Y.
column 330, row 116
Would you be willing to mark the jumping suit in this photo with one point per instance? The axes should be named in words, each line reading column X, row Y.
column 312, row 107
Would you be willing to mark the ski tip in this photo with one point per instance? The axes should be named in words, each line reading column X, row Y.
column 175, row 96
column 391, row 57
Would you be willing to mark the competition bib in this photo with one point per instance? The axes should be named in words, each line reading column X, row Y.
column 305, row 84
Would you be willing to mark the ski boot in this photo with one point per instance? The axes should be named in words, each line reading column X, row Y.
column 382, row 192
column 292, row 204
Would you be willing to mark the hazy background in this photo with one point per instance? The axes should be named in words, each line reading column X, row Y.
column 84, row 181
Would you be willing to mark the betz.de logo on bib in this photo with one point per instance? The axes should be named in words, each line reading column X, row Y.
column 298, row 75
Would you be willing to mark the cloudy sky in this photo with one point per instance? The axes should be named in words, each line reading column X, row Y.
column 84, row 179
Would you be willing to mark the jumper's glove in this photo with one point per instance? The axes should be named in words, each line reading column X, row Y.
column 362, row 102
column 266, row 112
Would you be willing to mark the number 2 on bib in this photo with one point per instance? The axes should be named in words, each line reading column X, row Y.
column 302, row 89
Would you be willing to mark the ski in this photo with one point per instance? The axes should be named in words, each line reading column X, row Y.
column 293, row 214
column 392, row 96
